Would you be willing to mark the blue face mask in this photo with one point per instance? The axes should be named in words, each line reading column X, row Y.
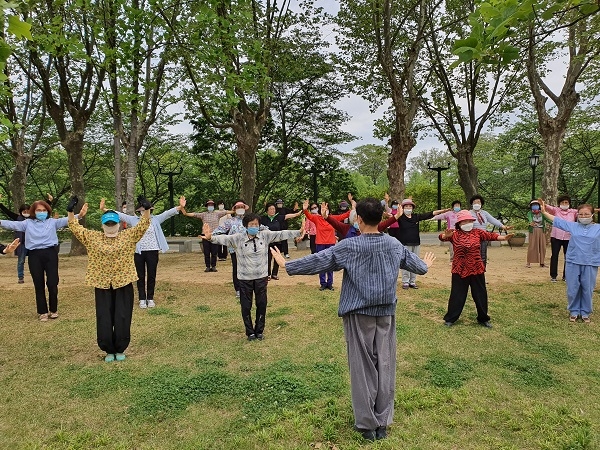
column 211, row 208
column 535, row 207
column 252, row 231
column 41, row 215
column 355, row 225
column 456, row 208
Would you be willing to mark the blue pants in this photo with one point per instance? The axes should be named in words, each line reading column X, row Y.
column 21, row 263
column 581, row 281
column 325, row 278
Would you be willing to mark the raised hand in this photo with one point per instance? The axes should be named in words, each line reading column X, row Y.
column 350, row 197
column 12, row 246
column 103, row 204
column 72, row 203
column 305, row 204
column 206, row 232
column 49, row 197
column 182, row 202
column 448, row 232
column 83, row 211
column 429, row 258
column 278, row 256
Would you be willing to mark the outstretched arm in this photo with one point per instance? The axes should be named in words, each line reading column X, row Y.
column 546, row 214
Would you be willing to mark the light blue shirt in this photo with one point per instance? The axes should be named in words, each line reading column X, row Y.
column 155, row 228
column 584, row 245
column 38, row 233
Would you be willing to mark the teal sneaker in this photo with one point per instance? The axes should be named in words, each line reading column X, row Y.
column 109, row 357
column 120, row 356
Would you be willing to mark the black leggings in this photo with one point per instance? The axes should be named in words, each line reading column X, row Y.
column 555, row 245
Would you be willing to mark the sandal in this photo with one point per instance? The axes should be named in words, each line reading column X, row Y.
column 43, row 317
column 53, row 315
column 573, row 319
column 586, row 319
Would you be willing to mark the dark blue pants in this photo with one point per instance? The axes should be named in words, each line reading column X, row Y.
column 325, row 278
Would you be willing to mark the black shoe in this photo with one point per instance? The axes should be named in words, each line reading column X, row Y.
column 413, row 286
column 330, row 288
column 448, row 324
column 322, row 288
column 21, row 281
column 260, row 336
column 207, row 269
column 213, row 269
column 381, row 433
column 368, row 435
column 252, row 337
column 486, row 324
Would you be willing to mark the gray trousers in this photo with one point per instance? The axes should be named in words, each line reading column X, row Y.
column 371, row 345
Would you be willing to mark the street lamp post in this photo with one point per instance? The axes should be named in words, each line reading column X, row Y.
column 170, row 174
column 439, row 188
column 534, row 159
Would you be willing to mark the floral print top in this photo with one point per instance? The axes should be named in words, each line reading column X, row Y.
column 110, row 260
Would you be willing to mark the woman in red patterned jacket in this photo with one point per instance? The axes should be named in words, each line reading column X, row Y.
column 468, row 268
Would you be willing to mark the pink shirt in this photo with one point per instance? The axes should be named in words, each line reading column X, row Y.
column 449, row 217
column 570, row 215
column 310, row 228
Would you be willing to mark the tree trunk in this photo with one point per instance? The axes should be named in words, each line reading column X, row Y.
column 74, row 147
column 402, row 143
column 18, row 180
column 247, row 146
column 467, row 172
column 552, row 147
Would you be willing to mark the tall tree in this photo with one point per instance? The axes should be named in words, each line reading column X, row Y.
column 229, row 50
column 381, row 42
column 461, row 100
column 369, row 160
column 554, row 108
column 65, row 68
column 138, row 47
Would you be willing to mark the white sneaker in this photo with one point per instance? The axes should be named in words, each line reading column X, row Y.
column 287, row 256
column 143, row 304
column 151, row 304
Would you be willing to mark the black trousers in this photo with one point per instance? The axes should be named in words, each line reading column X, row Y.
column 145, row 266
column 43, row 266
column 210, row 253
column 284, row 248
column 313, row 243
column 275, row 269
column 236, row 282
column 114, row 308
column 259, row 288
column 222, row 252
column 458, row 297
column 555, row 245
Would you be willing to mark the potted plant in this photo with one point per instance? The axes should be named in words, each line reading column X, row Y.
column 517, row 240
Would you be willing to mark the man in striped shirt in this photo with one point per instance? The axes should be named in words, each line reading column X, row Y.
column 367, row 306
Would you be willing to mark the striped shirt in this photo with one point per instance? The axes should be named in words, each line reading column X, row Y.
column 210, row 218
column 371, row 263
column 252, row 253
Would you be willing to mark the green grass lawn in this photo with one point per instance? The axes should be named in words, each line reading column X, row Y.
column 192, row 381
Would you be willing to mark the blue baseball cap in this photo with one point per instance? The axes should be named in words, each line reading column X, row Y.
column 110, row 216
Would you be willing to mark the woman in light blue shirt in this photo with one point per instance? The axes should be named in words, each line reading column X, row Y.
column 41, row 242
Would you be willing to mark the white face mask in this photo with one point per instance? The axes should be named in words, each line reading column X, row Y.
column 314, row 211
column 111, row 231
column 210, row 208
column 476, row 206
column 564, row 207
column 221, row 207
column 467, row 226
column 584, row 220
column 25, row 214
column 240, row 211
column 408, row 211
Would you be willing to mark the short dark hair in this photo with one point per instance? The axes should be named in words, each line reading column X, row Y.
column 370, row 210
column 220, row 202
column 477, row 197
column 249, row 217
column 124, row 203
column 564, row 197
column 24, row 207
column 268, row 205
column 456, row 201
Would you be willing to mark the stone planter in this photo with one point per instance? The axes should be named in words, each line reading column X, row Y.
column 517, row 242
